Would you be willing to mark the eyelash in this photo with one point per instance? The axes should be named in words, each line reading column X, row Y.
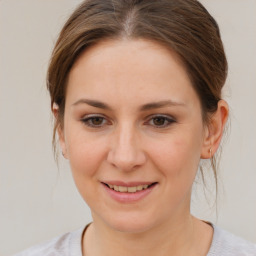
column 88, row 121
column 167, row 121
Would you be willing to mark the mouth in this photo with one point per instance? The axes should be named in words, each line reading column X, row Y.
column 129, row 189
column 129, row 192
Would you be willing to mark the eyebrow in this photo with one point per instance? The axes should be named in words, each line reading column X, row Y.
column 145, row 107
column 93, row 103
column 161, row 104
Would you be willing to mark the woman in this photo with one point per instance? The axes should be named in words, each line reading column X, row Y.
column 135, row 89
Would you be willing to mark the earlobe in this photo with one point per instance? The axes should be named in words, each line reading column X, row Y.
column 214, row 130
column 62, row 141
column 59, row 129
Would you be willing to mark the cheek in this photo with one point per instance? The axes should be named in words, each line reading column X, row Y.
column 85, row 157
column 177, row 156
column 85, row 153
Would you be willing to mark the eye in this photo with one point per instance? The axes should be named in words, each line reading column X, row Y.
column 94, row 121
column 161, row 121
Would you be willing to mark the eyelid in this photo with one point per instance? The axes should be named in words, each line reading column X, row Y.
column 85, row 120
column 91, row 116
column 168, row 118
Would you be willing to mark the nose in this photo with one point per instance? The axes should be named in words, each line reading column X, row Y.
column 125, row 152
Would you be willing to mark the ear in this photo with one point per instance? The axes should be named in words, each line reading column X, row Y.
column 214, row 130
column 59, row 129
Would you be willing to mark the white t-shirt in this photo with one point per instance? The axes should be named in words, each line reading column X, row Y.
column 223, row 244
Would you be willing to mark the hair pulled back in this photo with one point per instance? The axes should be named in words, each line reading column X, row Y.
column 183, row 26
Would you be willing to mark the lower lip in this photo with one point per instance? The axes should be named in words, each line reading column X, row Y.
column 125, row 197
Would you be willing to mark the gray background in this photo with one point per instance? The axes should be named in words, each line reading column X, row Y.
column 38, row 201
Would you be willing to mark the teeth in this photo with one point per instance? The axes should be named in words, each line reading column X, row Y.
column 139, row 187
column 132, row 189
column 123, row 189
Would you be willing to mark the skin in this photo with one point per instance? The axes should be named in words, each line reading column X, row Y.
column 162, row 144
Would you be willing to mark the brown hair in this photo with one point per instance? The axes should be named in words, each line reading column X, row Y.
column 184, row 26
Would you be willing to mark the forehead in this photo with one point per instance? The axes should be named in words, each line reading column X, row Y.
column 125, row 68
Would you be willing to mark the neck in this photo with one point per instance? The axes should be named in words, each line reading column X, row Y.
column 174, row 237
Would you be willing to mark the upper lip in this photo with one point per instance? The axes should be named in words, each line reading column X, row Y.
column 128, row 184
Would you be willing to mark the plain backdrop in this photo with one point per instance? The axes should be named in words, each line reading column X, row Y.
column 38, row 201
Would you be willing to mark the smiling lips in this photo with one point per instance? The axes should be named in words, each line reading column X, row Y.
column 128, row 188
column 124, row 189
column 128, row 192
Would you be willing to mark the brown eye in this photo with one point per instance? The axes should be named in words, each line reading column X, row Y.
column 159, row 121
column 97, row 120
column 94, row 121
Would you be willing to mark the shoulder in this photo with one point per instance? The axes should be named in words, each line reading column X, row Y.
column 227, row 244
column 68, row 244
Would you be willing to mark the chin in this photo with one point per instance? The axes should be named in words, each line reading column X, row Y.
column 130, row 224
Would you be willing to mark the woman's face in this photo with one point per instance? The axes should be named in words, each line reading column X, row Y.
column 133, row 134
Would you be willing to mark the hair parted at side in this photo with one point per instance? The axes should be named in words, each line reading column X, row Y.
column 183, row 26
